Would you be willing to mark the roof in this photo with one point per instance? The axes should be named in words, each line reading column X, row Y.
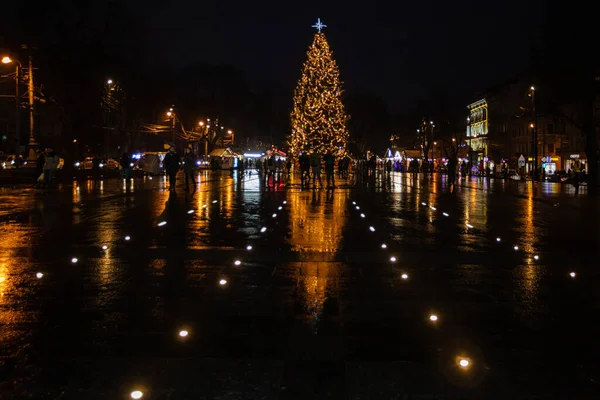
column 225, row 152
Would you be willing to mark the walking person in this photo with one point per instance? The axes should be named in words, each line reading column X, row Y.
column 329, row 169
column 315, row 164
column 304, row 169
column 50, row 164
column 39, row 169
column 171, row 165
column 189, row 166
column 126, row 166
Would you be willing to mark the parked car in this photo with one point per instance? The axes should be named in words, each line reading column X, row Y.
column 9, row 161
column 512, row 174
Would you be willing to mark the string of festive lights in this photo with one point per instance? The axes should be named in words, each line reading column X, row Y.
column 319, row 120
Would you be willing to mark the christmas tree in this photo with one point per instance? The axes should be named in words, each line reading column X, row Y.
column 318, row 119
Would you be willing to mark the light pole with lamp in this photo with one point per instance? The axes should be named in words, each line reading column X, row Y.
column 8, row 60
column 230, row 132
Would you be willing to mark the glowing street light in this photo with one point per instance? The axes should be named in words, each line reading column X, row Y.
column 200, row 123
column 109, row 82
column 223, row 282
column 169, row 113
column 404, row 276
column 74, row 260
column 464, row 363
column 248, row 247
column 384, row 246
column 6, row 60
column 572, row 274
column 393, row 259
column 433, row 317
column 183, row 333
column 39, row 275
column 238, row 262
column 137, row 394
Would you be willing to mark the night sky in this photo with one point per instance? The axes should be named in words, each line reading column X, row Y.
column 404, row 51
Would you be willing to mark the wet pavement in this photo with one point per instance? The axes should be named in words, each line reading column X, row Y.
column 398, row 289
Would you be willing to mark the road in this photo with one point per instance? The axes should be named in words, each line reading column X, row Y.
column 316, row 308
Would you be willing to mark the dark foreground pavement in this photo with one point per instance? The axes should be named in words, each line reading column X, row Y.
column 316, row 309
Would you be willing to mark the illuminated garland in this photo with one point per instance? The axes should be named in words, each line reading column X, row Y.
column 319, row 121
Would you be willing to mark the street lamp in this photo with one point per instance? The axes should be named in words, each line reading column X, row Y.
column 109, row 82
column 230, row 132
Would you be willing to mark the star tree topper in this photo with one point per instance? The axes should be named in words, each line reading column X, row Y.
column 319, row 25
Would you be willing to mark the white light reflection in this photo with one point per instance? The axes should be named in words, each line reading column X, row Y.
column 162, row 223
column 191, row 212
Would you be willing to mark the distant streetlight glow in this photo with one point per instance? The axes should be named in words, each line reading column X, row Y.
column 263, row 229
column 274, row 215
column 248, row 247
column 201, row 123
column 237, row 262
column 393, row 259
column 6, row 60
column 105, row 247
column 516, row 248
column 404, row 276
column 464, row 363
column 109, row 82
column 532, row 88
column 183, row 333
column 162, row 223
column 536, row 257
column 39, row 275
column 384, row 246
column 128, row 238
column 169, row 113
column 223, row 282
column 74, row 260
column 372, row 229
column 433, row 317
column 572, row 274
column 498, row 239
column 362, row 215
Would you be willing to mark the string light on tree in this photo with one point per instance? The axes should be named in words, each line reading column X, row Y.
column 319, row 120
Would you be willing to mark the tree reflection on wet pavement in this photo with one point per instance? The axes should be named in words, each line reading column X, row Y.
column 316, row 307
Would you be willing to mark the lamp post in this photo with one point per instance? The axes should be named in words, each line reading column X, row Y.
column 470, row 146
column 8, row 60
column 230, row 132
column 534, row 133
